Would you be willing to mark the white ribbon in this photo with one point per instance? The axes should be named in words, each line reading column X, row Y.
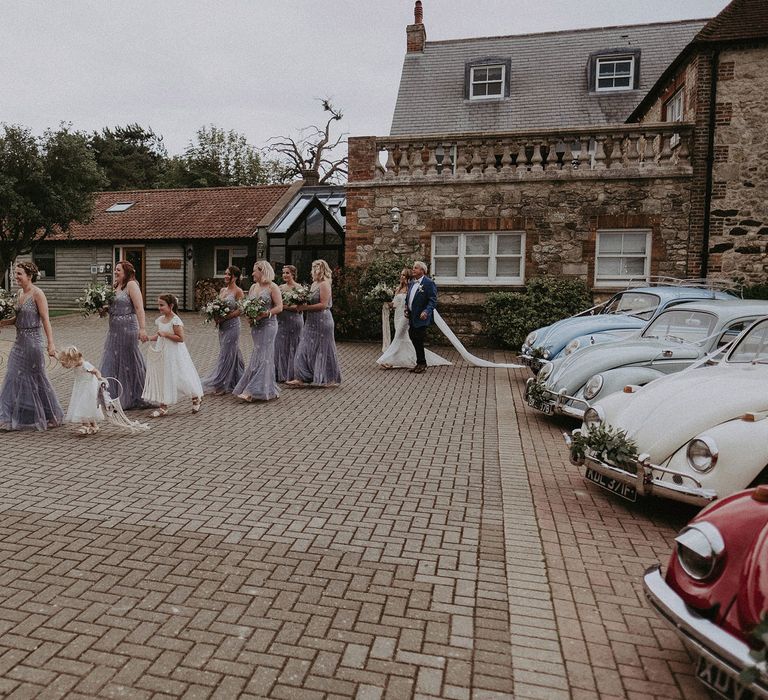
column 468, row 356
column 386, row 337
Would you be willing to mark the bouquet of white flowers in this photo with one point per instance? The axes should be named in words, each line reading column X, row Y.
column 381, row 292
column 216, row 309
column 7, row 305
column 293, row 296
column 96, row 298
column 252, row 308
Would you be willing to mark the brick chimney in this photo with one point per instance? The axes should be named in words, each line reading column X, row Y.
column 415, row 33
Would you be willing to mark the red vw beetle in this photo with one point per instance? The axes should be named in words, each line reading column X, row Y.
column 715, row 593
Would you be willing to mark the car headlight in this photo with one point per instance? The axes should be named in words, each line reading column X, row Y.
column 699, row 548
column 594, row 417
column 544, row 372
column 573, row 346
column 702, row 454
column 593, row 386
column 531, row 338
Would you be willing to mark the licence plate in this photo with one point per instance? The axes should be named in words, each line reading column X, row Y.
column 614, row 485
column 721, row 682
column 542, row 406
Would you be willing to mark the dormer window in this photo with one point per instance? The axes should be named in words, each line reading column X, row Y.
column 614, row 70
column 487, row 79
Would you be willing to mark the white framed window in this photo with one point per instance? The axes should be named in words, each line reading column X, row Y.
column 614, row 73
column 621, row 256
column 224, row 256
column 673, row 112
column 486, row 82
column 674, row 107
column 479, row 258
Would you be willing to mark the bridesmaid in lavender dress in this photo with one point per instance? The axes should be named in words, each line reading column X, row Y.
column 258, row 381
column 27, row 398
column 316, row 362
column 122, row 359
column 289, row 326
column 229, row 366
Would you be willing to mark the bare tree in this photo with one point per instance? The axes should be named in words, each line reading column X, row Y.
column 315, row 154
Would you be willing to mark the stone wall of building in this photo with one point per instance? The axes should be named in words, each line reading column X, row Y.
column 560, row 218
column 739, row 208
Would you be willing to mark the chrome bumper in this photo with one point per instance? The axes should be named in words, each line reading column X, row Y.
column 560, row 402
column 646, row 483
column 701, row 636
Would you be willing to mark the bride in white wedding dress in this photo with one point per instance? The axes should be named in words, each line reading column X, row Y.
column 401, row 352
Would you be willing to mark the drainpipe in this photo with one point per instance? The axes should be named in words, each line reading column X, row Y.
column 710, row 163
column 185, row 262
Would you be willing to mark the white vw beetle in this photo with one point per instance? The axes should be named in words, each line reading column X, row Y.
column 699, row 435
column 670, row 343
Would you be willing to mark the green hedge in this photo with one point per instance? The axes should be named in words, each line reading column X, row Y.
column 510, row 316
column 355, row 317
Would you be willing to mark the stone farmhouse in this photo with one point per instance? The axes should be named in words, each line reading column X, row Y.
column 613, row 154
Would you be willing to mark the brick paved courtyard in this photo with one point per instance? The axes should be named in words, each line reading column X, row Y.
column 397, row 537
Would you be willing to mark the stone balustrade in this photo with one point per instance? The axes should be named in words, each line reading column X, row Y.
column 620, row 150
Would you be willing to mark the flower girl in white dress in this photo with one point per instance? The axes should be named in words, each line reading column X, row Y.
column 84, row 405
column 171, row 374
column 401, row 352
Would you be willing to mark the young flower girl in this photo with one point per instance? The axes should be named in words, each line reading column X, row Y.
column 90, row 399
column 171, row 375
column 84, row 405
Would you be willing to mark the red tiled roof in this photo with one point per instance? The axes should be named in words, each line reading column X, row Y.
column 739, row 20
column 213, row 212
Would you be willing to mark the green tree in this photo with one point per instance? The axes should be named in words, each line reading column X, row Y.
column 218, row 158
column 46, row 183
column 132, row 157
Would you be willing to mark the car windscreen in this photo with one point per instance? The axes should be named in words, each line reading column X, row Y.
column 639, row 304
column 753, row 347
column 687, row 326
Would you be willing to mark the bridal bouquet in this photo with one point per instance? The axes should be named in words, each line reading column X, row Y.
column 381, row 292
column 96, row 298
column 252, row 308
column 7, row 305
column 216, row 309
column 293, row 296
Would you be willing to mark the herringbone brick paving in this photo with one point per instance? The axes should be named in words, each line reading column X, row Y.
column 371, row 541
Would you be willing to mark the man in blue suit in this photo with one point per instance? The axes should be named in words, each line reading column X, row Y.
column 420, row 303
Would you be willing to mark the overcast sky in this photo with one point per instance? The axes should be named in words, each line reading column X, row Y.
column 255, row 66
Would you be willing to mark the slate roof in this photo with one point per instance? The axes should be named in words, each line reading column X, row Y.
column 740, row 20
column 212, row 212
column 548, row 79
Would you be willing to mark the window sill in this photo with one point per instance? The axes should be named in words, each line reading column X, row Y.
column 483, row 100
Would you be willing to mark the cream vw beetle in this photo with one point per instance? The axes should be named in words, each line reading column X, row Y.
column 700, row 434
column 670, row 343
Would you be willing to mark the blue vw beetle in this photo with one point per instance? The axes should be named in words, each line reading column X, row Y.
column 623, row 314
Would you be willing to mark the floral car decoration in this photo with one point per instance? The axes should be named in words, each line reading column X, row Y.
column 623, row 314
column 673, row 341
column 701, row 434
column 715, row 593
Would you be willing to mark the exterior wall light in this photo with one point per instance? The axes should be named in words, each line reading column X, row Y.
column 394, row 217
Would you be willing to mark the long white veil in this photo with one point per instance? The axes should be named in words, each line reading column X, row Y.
column 468, row 356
